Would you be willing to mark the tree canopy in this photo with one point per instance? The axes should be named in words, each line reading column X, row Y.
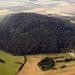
column 30, row 33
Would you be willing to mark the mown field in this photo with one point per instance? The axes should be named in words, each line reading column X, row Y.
column 31, row 67
column 58, row 65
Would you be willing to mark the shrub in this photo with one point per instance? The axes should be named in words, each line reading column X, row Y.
column 46, row 63
column 63, row 66
column 68, row 59
column 2, row 61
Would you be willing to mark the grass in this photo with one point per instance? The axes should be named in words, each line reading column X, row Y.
column 68, row 64
column 64, row 55
column 9, row 67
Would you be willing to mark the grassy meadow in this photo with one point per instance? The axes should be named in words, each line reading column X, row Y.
column 10, row 66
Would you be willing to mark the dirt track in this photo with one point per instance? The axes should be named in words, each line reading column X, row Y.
column 31, row 68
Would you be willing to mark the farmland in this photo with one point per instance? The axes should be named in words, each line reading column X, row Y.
column 10, row 66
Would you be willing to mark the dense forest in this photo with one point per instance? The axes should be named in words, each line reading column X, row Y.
column 30, row 33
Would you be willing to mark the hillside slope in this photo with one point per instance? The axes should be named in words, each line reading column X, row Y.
column 30, row 33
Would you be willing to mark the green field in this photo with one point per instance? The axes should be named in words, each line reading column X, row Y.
column 9, row 67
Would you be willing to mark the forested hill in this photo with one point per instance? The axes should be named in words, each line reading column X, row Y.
column 30, row 33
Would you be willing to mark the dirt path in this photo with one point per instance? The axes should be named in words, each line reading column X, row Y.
column 31, row 68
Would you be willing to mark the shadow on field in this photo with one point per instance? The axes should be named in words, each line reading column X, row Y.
column 2, row 61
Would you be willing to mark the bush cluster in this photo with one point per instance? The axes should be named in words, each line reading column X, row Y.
column 68, row 59
column 46, row 63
